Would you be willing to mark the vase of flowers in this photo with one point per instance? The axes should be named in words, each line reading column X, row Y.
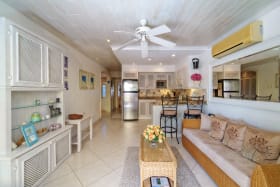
column 154, row 134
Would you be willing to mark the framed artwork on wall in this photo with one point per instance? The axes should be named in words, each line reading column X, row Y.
column 83, row 79
column 29, row 134
column 91, row 78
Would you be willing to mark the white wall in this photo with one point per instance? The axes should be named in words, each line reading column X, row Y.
column 76, row 100
column 261, row 114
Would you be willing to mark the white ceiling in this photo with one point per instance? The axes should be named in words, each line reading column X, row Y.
column 195, row 24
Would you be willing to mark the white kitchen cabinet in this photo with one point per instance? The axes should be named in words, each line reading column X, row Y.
column 171, row 81
column 146, row 108
column 150, row 81
column 141, row 81
column 129, row 75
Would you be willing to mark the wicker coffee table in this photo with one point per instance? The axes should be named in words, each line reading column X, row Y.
column 156, row 161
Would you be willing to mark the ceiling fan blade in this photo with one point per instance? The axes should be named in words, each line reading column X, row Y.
column 144, row 49
column 161, row 41
column 159, row 30
column 127, row 43
column 126, row 32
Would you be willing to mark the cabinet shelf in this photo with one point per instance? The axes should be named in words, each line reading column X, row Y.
column 31, row 106
column 18, row 126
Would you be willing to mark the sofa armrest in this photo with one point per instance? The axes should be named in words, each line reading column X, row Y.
column 191, row 123
column 266, row 176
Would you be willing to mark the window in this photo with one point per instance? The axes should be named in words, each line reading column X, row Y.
column 103, row 90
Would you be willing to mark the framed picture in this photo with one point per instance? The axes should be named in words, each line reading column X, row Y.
column 65, row 72
column 90, row 82
column 65, row 62
column 83, row 79
column 66, row 85
column 29, row 134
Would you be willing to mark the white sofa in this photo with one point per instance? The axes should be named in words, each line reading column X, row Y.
column 226, row 166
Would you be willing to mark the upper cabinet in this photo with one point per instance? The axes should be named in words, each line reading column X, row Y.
column 148, row 80
column 35, row 63
column 54, row 67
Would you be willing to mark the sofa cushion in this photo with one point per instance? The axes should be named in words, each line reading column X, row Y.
column 234, row 136
column 218, row 127
column 231, row 162
column 205, row 122
column 260, row 145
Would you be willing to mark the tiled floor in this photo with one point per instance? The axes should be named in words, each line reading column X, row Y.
column 101, row 160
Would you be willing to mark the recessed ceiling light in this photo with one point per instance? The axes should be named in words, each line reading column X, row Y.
column 108, row 40
column 149, row 59
column 173, row 55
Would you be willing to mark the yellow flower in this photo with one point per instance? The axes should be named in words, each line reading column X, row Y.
column 153, row 132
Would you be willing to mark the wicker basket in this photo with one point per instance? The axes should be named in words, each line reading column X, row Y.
column 75, row 116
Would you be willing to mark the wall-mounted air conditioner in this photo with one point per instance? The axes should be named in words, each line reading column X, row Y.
column 246, row 36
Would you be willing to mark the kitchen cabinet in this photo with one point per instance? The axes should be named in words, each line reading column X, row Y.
column 150, row 81
column 146, row 108
column 129, row 75
column 141, row 81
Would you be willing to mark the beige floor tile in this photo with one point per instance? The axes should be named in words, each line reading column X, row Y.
column 69, row 180
column 110, row 180
column 79, row 160
column 92, row 172
column 60, row 172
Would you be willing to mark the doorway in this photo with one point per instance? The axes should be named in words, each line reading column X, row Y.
column 116, row 100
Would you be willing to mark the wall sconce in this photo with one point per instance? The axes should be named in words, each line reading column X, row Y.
column 195, row 62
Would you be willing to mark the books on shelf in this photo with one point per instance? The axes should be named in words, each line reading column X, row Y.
column 160, row 182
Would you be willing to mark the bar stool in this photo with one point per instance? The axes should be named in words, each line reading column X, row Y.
column 169, row 112
column 194, row 106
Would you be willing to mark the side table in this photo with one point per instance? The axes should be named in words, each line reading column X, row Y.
column 80, row 136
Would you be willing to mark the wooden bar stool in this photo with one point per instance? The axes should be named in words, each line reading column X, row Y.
column 169, row 113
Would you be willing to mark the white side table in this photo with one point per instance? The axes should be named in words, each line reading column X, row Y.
column 80, row 136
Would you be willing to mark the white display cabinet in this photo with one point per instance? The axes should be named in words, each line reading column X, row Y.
column 35, row 62
column 31, row 80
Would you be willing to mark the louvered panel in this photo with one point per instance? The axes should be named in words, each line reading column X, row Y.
column 29, row 59
column 62, row 148
column 36, row 167
column 55, row 66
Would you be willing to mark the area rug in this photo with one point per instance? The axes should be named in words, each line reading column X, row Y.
column 131, row 176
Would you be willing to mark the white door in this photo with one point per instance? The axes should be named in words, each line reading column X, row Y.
column 54, row 67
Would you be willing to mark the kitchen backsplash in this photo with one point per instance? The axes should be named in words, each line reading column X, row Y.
column 171, row 92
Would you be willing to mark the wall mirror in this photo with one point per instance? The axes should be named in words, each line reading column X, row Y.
column 254, row 77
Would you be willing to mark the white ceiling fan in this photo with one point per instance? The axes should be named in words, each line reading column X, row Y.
column 145, row 34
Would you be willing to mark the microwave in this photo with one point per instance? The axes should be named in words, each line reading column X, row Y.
column 161, row 84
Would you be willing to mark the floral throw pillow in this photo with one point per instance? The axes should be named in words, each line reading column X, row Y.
column 260, row 146
column 218, row 127
column 205, row 123
column 234, row 136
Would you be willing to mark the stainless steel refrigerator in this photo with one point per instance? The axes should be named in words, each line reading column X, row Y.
column 130, row 99
column 227, row 87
